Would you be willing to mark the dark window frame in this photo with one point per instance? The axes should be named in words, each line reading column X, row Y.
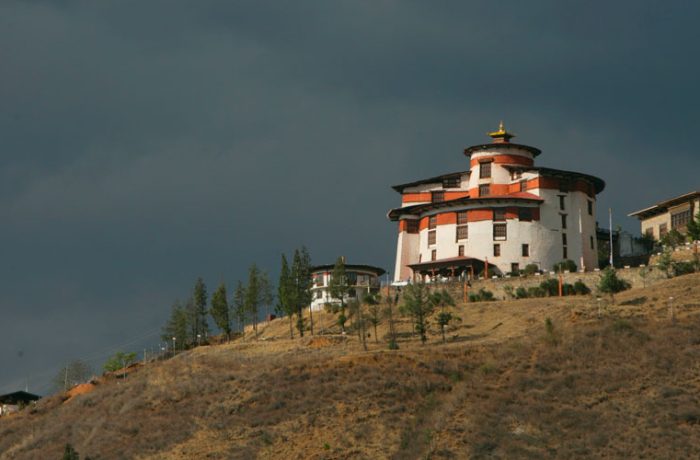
column 496, row 250
column 485, row 173
column 525, row 250
column 464, row 229
column 432, row 238
column 496, row 230
column 525, row 214
column 484, row 189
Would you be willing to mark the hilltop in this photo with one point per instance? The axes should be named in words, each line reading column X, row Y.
column 605, row 380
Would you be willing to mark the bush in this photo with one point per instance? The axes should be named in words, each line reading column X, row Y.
column 567, row 289
column 508, row 289
column 580, row 288
column 482, row 296
column 536, row 291
column 530, row 269
column 565, row 265
column 550, row 287
column 521, row 293
column 683, row 268
column 610, row 283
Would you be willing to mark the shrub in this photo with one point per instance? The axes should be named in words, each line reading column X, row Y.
column 683, row 268
column 530, row 269
column 550, row 287
column 567, row 289
column 521, row 293
column 580, row 288
column 536, row 291
column 610, row 283
column 565, row 265
column 508, row 289
column 481, row 296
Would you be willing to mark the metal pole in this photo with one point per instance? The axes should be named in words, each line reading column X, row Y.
column 611, row 237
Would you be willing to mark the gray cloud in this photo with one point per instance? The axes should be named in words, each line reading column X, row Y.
column 143, row 144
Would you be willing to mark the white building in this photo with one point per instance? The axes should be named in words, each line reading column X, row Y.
column 667, row 215
column 361, row 278
column 503, row 212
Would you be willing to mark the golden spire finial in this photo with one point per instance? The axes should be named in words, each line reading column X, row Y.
column 501, row 135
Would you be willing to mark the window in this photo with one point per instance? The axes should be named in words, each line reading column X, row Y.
column 563, row 239
column 499, row 215
column 663, row 229
column 431, row 237
column 526, row 250
column 649, row 232
column 484, row 190
column 525, row 214
column 565, row 254
column 438, row 196
column 590, row 207
column 592, row 243
column 433, row 255
column 561, row 202
column 352, row 293
column 515, row 268
column 319, row 294
column 462, row 218
column 680, row 220
column 563, row 221
column 523, row 186
column 318, row 280
column 452, row 182
column 460, row 250
column 462, row 232
column 432, row 222
column 499, row 232
column 412, row 226
column 496, row 250
column 484, row 170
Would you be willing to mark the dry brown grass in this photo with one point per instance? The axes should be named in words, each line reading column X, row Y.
column 610, row 380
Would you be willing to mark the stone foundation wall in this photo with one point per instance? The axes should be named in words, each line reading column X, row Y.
column 636, row 276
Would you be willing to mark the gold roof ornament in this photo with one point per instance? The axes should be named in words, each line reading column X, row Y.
column 501, row 136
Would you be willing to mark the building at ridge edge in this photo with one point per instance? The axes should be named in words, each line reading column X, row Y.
column 503, row 212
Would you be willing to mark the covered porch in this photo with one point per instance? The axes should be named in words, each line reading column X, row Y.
column 454, row 268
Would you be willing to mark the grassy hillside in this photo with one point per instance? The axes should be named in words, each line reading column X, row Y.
column 606, row 380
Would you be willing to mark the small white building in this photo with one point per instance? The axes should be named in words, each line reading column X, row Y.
column 361, row 278
column 503, row 213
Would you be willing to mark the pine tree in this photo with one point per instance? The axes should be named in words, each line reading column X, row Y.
column 285, row 295
column 417, row 305
column 339, row 288
column 301, row 279
column 238, row 306
column 442, row 299
column 199, row 301
column 177, row 326
column 374, row 312
column 219, row 310
column 258, row 293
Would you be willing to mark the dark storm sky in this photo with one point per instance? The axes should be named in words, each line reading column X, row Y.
column 145, row 143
